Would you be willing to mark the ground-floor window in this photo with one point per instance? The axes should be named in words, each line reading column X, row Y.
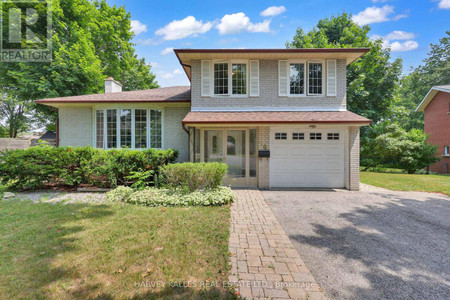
column 128, row 128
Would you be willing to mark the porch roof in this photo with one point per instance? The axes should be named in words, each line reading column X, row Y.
column 273, row 117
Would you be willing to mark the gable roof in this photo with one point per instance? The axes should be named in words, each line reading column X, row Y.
column 260, row 117
column 172, row 94
column 430, row 95
column 185, row 56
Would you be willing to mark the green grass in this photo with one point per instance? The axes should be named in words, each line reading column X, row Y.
column 57, row 251
column 407, row 182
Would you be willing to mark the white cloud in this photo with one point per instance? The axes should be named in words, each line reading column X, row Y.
column 154, row 64
column 137, row 27
column 444, row 4
column 400, row 35
column 169, row 75
column 236, row 23
column 373, row 15
column 400, row 16
column 167, row 51
column 404, row 46
column 273, row 11
column 398, row 46
column 180, row 29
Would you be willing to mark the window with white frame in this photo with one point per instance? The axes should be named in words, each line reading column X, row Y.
column 131, row 128
column 230, row 78
column 280, row 135
column 333, row 136
column 297, row 79
column 315, row 136
column 315, row 78
column 298, row 136
column 221, row 78
column 446, row 151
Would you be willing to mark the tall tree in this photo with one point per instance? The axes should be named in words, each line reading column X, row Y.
column 371, row 80
column 13, row 114
column 435, row 70
column 91, row 40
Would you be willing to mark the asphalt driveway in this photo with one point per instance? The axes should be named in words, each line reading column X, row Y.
column 375, row 244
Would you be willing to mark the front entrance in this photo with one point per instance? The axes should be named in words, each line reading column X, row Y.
column 237, row 147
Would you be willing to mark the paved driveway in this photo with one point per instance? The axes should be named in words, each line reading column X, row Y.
column 375, row 244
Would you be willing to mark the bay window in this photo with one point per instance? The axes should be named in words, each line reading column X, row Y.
column 128, row 128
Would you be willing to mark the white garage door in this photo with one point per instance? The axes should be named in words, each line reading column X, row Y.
column 307, row 158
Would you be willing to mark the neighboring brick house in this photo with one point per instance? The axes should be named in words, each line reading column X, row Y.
column 436, row 108
column 277, row 117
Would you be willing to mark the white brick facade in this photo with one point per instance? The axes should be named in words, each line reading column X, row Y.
column 268, row 84
column 75, row 126
column 354, row 158
column 264, row 167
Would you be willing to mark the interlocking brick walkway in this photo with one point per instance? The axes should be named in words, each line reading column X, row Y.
column 264, row 263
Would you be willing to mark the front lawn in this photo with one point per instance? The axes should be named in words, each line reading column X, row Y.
column 69, row 251
column 407, row 182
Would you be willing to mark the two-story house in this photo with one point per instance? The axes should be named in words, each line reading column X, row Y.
column 436, row 108
column 277, row 117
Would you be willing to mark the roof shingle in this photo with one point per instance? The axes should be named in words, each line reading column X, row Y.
column 167, row 94
column 253, row 117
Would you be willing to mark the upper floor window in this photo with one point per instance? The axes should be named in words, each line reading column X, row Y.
column 315, row 77
column 129, row 128
column 446, row 151
column 224, row 83
column 221, row 79
column 297, row 79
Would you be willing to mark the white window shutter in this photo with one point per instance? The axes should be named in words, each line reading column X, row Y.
column 254, row 78
column 206, row 78
column 282, row 78
column 331, row 78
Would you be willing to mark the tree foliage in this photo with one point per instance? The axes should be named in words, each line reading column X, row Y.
column 91, row 41
column 387, row 144
column 372, row 79
column 13, row 113
column 435, row 70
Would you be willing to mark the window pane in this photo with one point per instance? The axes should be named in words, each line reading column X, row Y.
column 100, row 128
column 197, row 145
column 125, row 128
column 111, row 127
column 315, row 78
column 297, row 79
column 140, row 128
column 155, row 129
column 239, row 76
column 253, row 151
column 213, row 145
column 236, row 153
column 221, row 79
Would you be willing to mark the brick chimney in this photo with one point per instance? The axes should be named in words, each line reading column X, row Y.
column 112, row 86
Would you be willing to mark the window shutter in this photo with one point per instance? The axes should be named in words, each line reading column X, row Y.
column 282, row 78
column 206, row 78
column 331, row 78
column 254, row 78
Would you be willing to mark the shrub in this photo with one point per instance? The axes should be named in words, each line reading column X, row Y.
column 165, row 197
column 193, row 176
column 43, row 165
column 120, row 194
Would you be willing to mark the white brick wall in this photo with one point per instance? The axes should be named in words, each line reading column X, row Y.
column 75, row 126
column 269, row 91
column 174, row 135
column 264, row 167
column 354, row 158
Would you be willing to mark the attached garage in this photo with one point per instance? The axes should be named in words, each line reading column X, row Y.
column 307, row 158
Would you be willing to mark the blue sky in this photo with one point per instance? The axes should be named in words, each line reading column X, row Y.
column 408, row 26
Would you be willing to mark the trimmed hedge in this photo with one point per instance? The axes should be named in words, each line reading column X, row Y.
column 193, row 176
column 41, row 166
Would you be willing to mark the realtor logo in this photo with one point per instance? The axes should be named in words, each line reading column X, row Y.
column 25, row 31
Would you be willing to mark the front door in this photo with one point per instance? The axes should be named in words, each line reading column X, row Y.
column 235, row 147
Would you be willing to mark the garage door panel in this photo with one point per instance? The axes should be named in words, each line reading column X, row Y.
column 307, row 163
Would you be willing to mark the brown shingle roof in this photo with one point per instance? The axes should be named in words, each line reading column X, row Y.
column 168, row 94
column 253, row 117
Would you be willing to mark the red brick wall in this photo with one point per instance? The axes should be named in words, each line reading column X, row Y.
column 437, row 125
